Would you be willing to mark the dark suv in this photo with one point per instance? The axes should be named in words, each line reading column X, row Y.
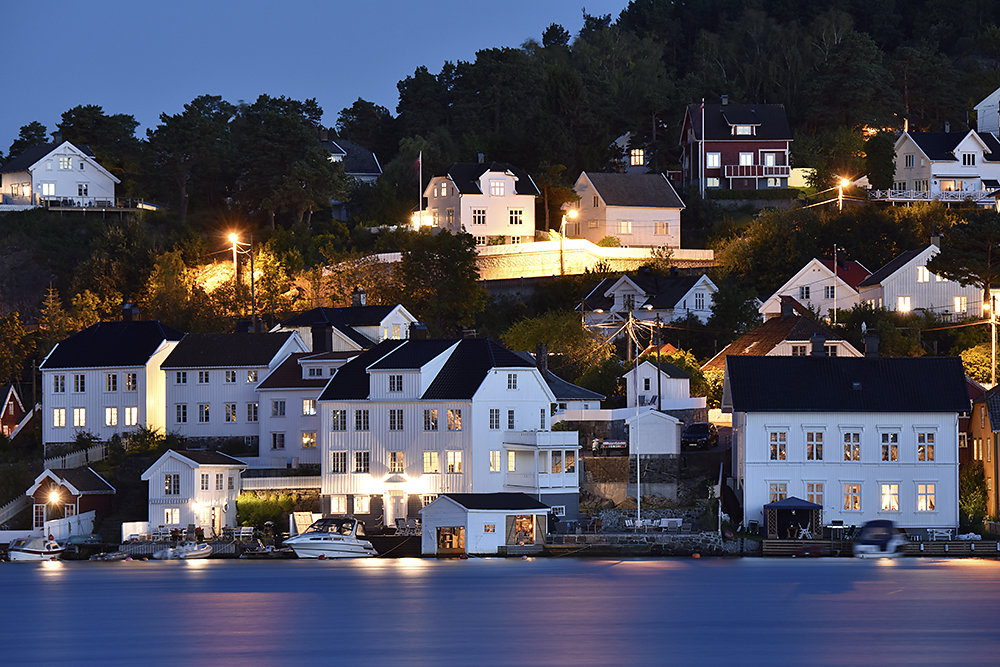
column 700, row 435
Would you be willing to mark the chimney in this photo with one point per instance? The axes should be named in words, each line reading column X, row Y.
column 322, row 338
column 130, row 312
column 787, row 307
column 480, row 158
column 358, row 297
column 871, row 344
column 947, row 127
column 724, row 99
column 818, row 341
column 57, row 137
column 324, row 134
column 936, row 240
column 542, row 357
column 418, row 331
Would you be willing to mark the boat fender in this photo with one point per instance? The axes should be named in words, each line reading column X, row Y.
column 322, row 557
column 464, row 557
column 696, row 555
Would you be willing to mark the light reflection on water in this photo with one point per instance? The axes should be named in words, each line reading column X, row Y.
column 495, row 611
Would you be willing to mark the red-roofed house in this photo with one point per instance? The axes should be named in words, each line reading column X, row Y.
column 816, row 287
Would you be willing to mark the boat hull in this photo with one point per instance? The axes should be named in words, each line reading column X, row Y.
column 34, row 550
column 184, row 552
column 339, row 549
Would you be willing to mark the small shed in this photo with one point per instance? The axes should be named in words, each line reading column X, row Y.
column 480, row 523
column 784, row 518
column 60, row 493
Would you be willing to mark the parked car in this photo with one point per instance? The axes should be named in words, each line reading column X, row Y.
column 700, row 435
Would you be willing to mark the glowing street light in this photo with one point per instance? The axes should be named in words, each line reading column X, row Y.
column 843, row 183
column 571, row 213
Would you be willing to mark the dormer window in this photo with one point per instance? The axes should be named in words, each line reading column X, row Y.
column 497, row 188
column 395, row 383
column 968, row 159
column 743, row 130
column 315, row 372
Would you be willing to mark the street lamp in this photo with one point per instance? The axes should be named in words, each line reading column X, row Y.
column 843, row 183
column 572, row 213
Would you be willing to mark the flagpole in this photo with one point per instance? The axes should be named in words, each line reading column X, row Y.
column 701, row 153
column 420, row 186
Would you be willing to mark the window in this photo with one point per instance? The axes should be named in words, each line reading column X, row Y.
column 479, row 216
column 482, row 240
column 570, row 461
column 830, row 350
column 360, row 420
column 203, row 377
column 277, row 408
column 251, row 376
column 637, row 157
column 624, row 226
column 645, row 384
column 396, row 462
column 661, row 228
column 182, row 413
column 395, row 383
column 203, row 413
column 903, row 304
column 309, row 440
column 908, row 160
column 229, row 483
column 512, row 380
column 431, row 463
column 59, row 417
column 799, row 350
column 59, row 384
column 890, row 497
column 743, row 129
column 454, row 420
column 777, row 491
column 338, row 420
column 814, row 445
column 251, row 412
column 171, row 484
column 396, row 419
column 230, row 412
column 132, row 415
column 171, row 516
column 48, row 189
column 541, row 419
column 361, row 460
column 111, row 382
column 977, row 449
column 338, row 504
column 396, row 335
column 925, row 497
column 180, row 377
column 495, row 460
column 428, row 499
column 923, row 275
column 430, row 420
column 925, row 446
column 449, row 216
column 713, row 160
column 852, row 446
column 890, row 446
column 628, row 301
column 778, row 441
column 804, row 292
column 454, row 460
column 338, row 462
column 829, row 291
column 494, row 419
column 362, row 504
column 489, row 528
column 204, row 481
column 510, row 420
column 496, row 188
column 968, row 159
column 79, row 417
column 814, row 492
column 131, row 382
column 218, row 481
column 852, row 497
column 699, row 301
column 277, row 441
column 111, row 416
column 961, row 304
column 315, row 372
column 516, row 216
column 557, row 466
column 79, row 383
column 712, row 182
column 309, row 406
column 746, row 159
column 511, row 462
column 65, row 162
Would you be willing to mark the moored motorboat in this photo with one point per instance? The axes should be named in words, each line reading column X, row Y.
column 332, row 538
column 110, row 556
column 184, row 551
column 34, row 549
column 879, row 539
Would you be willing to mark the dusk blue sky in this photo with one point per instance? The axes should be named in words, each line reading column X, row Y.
column 144, row 58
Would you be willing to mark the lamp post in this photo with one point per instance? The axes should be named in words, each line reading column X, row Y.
column 234, row 238
column 571, row 213
column 843, row 183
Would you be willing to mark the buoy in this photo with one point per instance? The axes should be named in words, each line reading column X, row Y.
column 696, row 555
column 322, row 557
column 464, row 557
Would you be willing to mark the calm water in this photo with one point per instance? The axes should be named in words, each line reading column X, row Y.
column 493, row 611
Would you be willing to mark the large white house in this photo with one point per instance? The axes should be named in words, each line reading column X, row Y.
column 648, row 296
column 409, row 420
column 57, row 172
column 193, row 487
column 816, row 287
column 349, row 329
column 863, row 438
column 493, row 201
column 905, row 285
column 211, row 385
column 106, row 380
column 637, row 209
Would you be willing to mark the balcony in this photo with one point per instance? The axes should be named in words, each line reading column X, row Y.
column 758, row 171
column 544, row 481
column 544, row 439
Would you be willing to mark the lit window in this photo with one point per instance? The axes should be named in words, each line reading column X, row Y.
column 746, row 159
column 814, row 492
column 489, row 528
column 713, row 160
column 495, row 460
column 251, row 376
column 637, row 157
column 454, row 460
column 111, row 416
column 230, row 377
column 309, row 442
column 309, row 406
column 778, row 442
column 511, row 462
column 890, row 447
column 925, row 446
column 852, row 497
column 852, row 446
column 925, row 497
column 171, row 516
column 890, row 497
column 903, row 304
column 111, row 382
column 743, row 130
column 777, row 491
column 338, row 420
column 396, row 462
column 338, row 462
column 923, row 275
column 59, row 417
column 961, row 304
column 65, row 162
column 362, row 504
column 230, row 412
column 338, row 504
column 430, row 420
column 431, row 463
column 814, row 445
column 454, row 420
column 712, row 182
column 661, row 228
column 79, row 417
column 497, row 188
column 624, row 226
column 396, row 419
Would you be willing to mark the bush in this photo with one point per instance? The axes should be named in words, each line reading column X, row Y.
column 255, row 510
column 769, row 194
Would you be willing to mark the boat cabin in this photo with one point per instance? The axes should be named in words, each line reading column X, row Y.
column 481, row 523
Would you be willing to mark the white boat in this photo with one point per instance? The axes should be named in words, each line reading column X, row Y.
column 879, row 539
column 332, row 538
column 184, row 551
column 34, row 549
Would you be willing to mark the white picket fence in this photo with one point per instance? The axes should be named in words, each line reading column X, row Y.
column 13, row 508
column 78, row 458
column 78, row 524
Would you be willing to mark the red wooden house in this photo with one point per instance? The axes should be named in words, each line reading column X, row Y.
column 11, row 410
column 59, row 493
column 742, row 146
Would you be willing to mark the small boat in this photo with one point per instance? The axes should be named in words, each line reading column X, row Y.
column 184, row 551
column 332, row 538
column 879, row 539
column 110, row 556
column 34, row 549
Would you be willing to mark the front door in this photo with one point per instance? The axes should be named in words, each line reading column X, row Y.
column 397, row 506
column 451, row 540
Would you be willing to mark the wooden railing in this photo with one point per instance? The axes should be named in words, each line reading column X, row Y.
column 278, row 483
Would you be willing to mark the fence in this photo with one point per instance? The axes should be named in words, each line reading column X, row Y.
column 13, row 508
column 78, row 458
column 78, row 524
column 281, row 483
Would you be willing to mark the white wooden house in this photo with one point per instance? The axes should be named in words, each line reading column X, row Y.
column 672, row 384
column 481, row 523
column 647, row 296
column 349, row 329
column 816, row 287
column 193, row 487
column 58, row 172
column 637, row 209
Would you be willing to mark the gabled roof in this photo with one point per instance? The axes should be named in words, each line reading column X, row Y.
column 33, row 154
column 411, row 356
column 80, row 481
column 663, row 291
column 214, row 350
column 351, row 316
column 567, row 391
column 357, row 160
column 895, row 264
column 645, row 190
column 351, row 381
column 209, row 458
column 288, row 375
column 8, row 392
column 764, row 338
column 851, row 272
column 496, row 501
column 667, row 368
column 770, row 119
column 111, row 344
column 940, row 146
column 465, row 176
column 467, row 367
column 846, row 384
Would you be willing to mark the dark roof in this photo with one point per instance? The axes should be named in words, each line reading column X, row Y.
column 993, row 144
column 596, row 298
column 351, row 380
column 761, row 340
column 670, row 370
column 567, row 391
column 352, row 316
column 33, row 154
column 212, row 350
column 413, row 355
column 649, row 190
column 992, row 400
column 208, row 458
column 467, row 367
column 357, row 160
column 771, row 120
column 111, row 344
column 496, row 501
column 940, row 146
column 288, row 375
column 895, row 264
column 792, row 503
column 466, row 175
column 84, row 480
column 662, row 292
column 846, row 384
column 851, row 272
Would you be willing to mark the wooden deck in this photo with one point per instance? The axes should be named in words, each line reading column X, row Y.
column 923, row 548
